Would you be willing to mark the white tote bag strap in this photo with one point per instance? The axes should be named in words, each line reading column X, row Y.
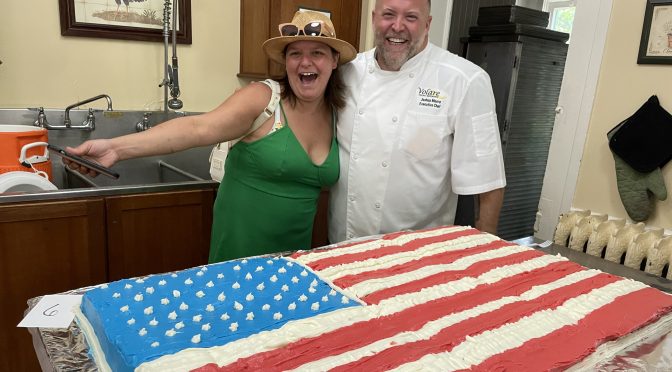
column 220, row 151
column 270, row 108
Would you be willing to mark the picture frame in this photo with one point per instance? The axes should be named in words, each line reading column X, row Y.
column 655, row 46
column 123, row 19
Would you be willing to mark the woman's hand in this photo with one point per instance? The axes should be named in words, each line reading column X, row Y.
column 99, row 151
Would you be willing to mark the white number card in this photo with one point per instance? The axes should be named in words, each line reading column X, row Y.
column 52, row 311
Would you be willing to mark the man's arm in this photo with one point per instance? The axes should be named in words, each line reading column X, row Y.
column 489, row 205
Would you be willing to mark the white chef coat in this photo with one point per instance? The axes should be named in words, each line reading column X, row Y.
column 410, row 140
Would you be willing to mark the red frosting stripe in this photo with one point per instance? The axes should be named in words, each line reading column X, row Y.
column 396, row 234
column 303, row 253
column 570, row 344
column 211, row 367
column 363, row 333
column 437, row 259
column 389, row 236
column 388, row 250
column 453, row 335
column 476, row 269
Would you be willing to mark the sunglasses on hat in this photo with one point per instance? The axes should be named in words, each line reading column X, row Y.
column 312, row 28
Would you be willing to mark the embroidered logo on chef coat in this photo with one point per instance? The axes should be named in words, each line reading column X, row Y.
column 431, row 98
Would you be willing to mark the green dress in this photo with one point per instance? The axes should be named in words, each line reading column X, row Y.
column 268, row 197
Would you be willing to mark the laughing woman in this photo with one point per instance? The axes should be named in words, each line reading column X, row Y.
column 267, row 199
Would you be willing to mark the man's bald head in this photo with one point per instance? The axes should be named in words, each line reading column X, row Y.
column 401, row 29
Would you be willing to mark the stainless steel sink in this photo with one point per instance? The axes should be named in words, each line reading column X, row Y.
column 177, row 171
column 145, row 171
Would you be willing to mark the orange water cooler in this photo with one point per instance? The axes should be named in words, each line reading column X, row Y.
column 24, row 143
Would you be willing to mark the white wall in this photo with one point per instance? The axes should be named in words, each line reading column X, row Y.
column 441, row 12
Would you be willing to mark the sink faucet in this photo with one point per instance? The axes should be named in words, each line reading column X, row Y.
column 89, row 123
column 41, row 117
column 143, row 124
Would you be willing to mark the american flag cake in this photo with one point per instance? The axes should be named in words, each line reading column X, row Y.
column 448, row 298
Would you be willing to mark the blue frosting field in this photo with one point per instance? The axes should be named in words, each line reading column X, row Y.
column 260, row 281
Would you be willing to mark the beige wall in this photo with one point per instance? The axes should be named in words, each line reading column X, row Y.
column 42, row 68
column 623, row 87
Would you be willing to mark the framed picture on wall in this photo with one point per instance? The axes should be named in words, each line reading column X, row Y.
column 655, row 46
column 124, row 19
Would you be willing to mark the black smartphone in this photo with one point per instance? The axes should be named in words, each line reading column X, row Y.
column 87, row 163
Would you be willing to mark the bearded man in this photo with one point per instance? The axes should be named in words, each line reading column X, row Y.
column 419, row 128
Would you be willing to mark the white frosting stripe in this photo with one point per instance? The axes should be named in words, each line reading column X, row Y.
column 387, row 261
column 321, row 324
column 474, row 350
column 370, row 286
column 94, row 345
column 432, row 328
column 377, row 244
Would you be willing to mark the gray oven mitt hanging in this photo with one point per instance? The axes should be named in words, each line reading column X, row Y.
column 638, row 189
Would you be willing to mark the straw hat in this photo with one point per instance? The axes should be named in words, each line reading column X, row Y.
column 275, row 47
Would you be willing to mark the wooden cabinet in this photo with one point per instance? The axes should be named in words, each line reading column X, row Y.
column 320, row 225
column 259, row 20
column 155, row 233
column 45, row 248
column 52, row 247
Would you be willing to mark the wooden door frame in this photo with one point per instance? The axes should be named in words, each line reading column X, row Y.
column 573, row 113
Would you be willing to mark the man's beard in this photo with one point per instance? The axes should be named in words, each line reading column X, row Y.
column 394, row 61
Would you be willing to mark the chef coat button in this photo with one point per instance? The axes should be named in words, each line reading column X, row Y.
column 395, row 119
column 371, row 70
column 350, row 236
column 351, row 198
column 411, row 75
column 377, row 205
column 384, row 164
column 361, row 112
column 355, row 156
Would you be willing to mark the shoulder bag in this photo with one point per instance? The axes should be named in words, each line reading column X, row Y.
column 219, row 152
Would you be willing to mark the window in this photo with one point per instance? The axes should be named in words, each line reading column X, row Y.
column 561, row 15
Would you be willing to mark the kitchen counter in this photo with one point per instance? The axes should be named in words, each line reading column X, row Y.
column 106, row 191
